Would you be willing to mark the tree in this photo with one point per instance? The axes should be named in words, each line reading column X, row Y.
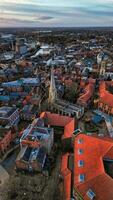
column 71, row 92
column 24, row 187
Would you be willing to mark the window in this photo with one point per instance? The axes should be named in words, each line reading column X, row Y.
column 80, row 151
column 90, row 194
column 81, row 178
column 80, row 163
column 80, row 141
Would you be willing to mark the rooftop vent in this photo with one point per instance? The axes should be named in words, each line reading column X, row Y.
column 81, row 178
column 90, row 194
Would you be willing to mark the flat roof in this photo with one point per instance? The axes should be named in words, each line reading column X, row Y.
column 6, row 111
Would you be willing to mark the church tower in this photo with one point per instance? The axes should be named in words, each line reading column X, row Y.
column 52, row 90
column 103, row 68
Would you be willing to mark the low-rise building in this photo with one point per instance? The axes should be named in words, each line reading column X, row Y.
column 9, row 115
column 106, row 97
column 87, row 94
column 31, row 159
column 90, row 176
column 35, row 136
column 61, row 106
column 7, row 135
column 36, row 143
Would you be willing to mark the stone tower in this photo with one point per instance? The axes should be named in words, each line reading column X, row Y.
column 52, row 90
column 103, row 67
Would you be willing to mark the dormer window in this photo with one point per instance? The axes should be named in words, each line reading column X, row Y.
column 80, row 151
column 81, row 178
column 90, row 194
column 80, row 163
column 80, row 141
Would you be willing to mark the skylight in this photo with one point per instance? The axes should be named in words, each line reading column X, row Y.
column 80, row 151
column 81, row 178
column 90, row 194
column 80, row 141
column 80, row 163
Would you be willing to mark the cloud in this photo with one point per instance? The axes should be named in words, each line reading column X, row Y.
column 60, row 13
column 22, row 22
column 41, row 18
column 14, row 20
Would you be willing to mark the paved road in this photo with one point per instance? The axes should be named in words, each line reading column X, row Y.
column 9, row 162
column 4, row 176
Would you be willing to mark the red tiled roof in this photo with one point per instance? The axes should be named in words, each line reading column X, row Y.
column 89, row 88
column 105, row 96
column 101, row 185
column 109, row 154
column 63, row 121
column 66, row 173
column 94, row 150
column 69, row 126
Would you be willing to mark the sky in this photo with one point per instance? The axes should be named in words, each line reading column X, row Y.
column 56, row 13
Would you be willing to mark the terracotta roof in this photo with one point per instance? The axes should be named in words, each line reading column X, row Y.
column 101, row 185
column 59, row 120
column 109, row 154
column 69, row 129
column 66, row 173
column 105, row 96
column 88, row 91
column 69, row 126
column 95, row 177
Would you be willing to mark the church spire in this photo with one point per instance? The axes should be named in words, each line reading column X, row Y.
column 52, row 90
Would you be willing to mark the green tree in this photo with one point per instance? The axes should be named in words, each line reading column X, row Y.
column 71, row 92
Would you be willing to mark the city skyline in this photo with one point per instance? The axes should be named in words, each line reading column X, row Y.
column 60, row 13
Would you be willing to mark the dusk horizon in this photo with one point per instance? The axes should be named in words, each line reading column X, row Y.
column 35, row 13
column 56, row 100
